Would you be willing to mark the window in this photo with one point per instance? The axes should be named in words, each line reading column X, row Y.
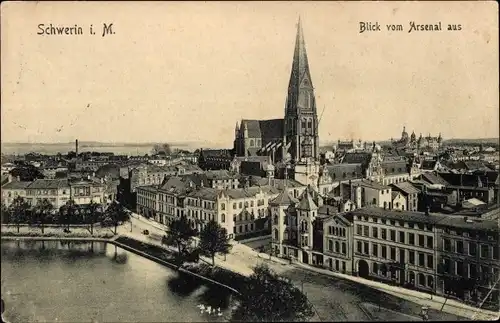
column 447, row 244
column 375, row 232
column 365, row 231
column 421, row 259
column 393, row 253
column 430, row 261
column 401, row 237
column 240, row 205
column 251, row 203
column 384, row 234
column 234, row 206
column 330, row 245
column 344, row 248
column 472, row 248
column 393, row 235
column 366, row 248
column 472, row 271
column 375, row 250
column 460, row 268
column 460, row 246
column 412, row 257
column 358, row 229
column 495, row 252
column 421, row 240
column 430, row 242
column 484, row 251
column 411, row 238
column 337, row 246
column 223, row 218
column 384, row 252
column 359, row 246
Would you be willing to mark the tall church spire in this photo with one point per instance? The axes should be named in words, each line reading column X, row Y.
column 300, row 65
column 301, row 119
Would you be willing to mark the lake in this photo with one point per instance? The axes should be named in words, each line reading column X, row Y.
column 57, row 281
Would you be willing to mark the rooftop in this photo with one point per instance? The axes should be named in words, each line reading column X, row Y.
column 406, row 187
column 49, row 184
column 370, row 184
column 16, row 185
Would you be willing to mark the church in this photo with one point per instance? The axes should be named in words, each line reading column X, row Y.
column 291, row 142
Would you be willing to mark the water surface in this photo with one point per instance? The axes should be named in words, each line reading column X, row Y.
column 56, row 281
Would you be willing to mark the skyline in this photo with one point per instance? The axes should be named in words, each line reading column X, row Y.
column 243, row 71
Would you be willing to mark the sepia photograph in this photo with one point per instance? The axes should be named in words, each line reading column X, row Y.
column 249, row 161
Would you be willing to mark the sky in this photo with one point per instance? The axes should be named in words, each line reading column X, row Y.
column 188, row 71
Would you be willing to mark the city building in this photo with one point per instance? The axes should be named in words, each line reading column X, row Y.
column 366, row 192
column 56, row 191
column 13, row 189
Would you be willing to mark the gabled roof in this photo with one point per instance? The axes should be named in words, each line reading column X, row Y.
column 370, row 184
column 283, row 198
column 340, row 172
column 406, row 187
column 434, row 179
column 307, row 202
column 268, row 129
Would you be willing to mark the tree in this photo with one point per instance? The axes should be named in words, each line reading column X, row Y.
column 67, row 213
column 27, row 173
column 180, row 234
column 213, row 240
column 267, row 297
column 93, row 211
column 116, row 213
column 6, row 218
column 18, row 210
column 42, row 211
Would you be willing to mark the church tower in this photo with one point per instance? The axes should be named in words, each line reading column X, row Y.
column 301, row 118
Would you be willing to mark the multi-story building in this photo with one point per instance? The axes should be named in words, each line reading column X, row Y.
column 222, row 179
column 366, row 192
column 397, row 247
column 337, row 235
column 468, row 254
column 57, row 191
column 82, row 192
column 13, row 189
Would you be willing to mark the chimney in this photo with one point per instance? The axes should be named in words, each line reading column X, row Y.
column 76, row 147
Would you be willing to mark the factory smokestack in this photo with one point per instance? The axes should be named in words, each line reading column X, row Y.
column 76, row 147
